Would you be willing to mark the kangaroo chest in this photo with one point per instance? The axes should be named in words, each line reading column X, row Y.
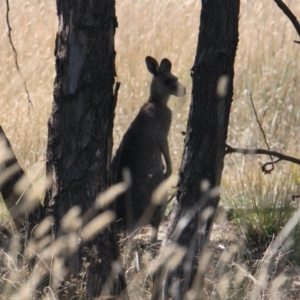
column 158, row 116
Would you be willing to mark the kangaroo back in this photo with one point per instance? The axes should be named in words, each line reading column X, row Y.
column 143, row 146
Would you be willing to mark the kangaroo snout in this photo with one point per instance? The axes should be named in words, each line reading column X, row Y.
column 181, row 90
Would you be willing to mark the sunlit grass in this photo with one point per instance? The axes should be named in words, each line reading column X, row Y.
column 267, row 65
column 33, row 24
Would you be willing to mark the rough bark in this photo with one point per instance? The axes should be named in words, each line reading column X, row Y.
column 203, row 156
column 80, row 127
column 22, row 203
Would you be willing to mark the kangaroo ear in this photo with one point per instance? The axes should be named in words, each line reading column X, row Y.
column 165, row 65
column 152, row 65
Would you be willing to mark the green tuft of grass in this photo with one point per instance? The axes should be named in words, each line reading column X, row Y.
column 261, row 205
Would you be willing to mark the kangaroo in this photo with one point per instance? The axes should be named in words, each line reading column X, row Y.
column 142, row 148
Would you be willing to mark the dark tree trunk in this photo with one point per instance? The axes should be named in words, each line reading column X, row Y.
column 202, row 163
column 80, row 127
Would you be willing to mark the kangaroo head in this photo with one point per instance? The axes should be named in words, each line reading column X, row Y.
column 163, row 83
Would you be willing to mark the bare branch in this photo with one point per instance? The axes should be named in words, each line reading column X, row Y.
column 290, row 15
column 16, row 54
column 280, row 156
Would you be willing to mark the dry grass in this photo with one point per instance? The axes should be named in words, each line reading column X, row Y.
column 33, row 24
column 267, row 66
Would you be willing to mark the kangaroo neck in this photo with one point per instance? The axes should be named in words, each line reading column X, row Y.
column 159, row 99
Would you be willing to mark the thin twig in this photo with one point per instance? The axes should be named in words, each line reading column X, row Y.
column 290, row 15
column 16, row 55
column 257, row 120
column 261, row 129
column 292, row 159
column 171, row 198
column 272, row 163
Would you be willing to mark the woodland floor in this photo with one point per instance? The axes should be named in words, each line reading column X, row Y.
column 226, row 251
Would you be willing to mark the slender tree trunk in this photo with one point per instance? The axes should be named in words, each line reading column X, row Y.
column 22, row 203
column 197, row 197
column 80, row 127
